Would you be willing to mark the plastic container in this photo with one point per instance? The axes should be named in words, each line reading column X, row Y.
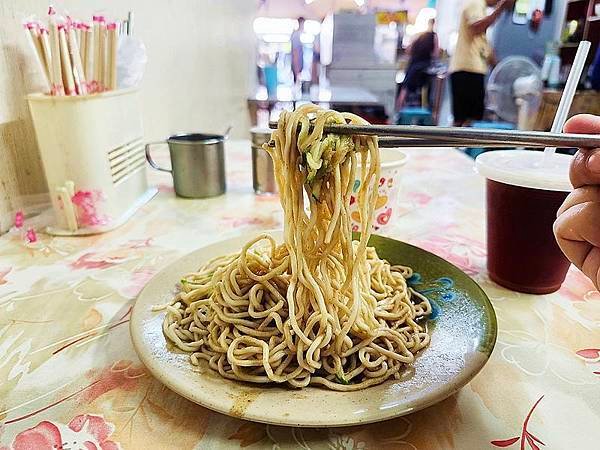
column 263, row 173
column 523, row 197
column 93, row 156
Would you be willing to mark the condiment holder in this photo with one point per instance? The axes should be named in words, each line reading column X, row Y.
column 93, row 157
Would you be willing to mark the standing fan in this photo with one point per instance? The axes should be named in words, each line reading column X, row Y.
column 515, row 90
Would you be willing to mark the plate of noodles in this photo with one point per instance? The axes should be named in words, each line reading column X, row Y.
column 315, row 325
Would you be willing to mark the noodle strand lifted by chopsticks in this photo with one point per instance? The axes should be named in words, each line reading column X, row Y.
column 318, row 309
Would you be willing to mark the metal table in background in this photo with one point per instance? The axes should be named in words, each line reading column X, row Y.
column 340, row 98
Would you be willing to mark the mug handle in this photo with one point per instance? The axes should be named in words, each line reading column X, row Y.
column 151, row 161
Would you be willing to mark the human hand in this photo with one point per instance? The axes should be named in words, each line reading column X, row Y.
column 577, row 227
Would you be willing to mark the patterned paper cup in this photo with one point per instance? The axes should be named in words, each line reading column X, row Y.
column 392, row 161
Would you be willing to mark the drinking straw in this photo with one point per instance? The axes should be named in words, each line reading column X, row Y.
column 112, row 56
column 78, row 74
column 34, row 38
column 568, row 94
column 57, row 87
column 65, row 59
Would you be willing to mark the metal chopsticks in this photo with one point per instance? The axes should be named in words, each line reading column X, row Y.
column 386, row 142
column 430, row 136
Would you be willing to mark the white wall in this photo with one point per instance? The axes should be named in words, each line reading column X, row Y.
column 199, row 72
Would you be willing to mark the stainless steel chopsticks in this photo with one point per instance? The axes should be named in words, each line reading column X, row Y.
column 452, row 137
column 386, row 142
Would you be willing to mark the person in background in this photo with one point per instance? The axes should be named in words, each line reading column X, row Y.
column 421, row 52
column 471, row 58
column 297, row 50
column 576, row 227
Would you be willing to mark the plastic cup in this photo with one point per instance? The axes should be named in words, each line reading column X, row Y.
column 523, row 196
column 388, row 189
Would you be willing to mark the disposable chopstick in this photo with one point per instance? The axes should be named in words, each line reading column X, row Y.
column 65, row 59
column 45, row 41
column 35, row 39
column 68, row 209
column 57, row 87
column 111, row 29
column 78, row 73
column 81, row 30
column 98, row 22
column 90, row 45
column 102, row 62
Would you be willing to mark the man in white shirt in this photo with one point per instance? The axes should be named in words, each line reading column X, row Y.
column 470, row 61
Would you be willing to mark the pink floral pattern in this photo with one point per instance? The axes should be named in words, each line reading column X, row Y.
column 87, row 208
column 83, row 432
column 467, row 253
column 122, row 374
column 526, row 437
column 69, row 376
column 592, row 357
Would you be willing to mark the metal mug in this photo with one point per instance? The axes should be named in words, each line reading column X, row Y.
column 263, row 174
column 197, row 164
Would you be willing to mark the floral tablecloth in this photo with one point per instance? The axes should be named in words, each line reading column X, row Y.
column 70, row 379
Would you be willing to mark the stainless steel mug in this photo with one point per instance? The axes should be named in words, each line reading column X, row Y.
column 263, row 175
column 197, row 164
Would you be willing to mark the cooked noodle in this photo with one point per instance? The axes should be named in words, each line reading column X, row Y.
column 318, row 309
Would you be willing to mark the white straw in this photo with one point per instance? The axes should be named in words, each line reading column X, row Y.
column 568, row 93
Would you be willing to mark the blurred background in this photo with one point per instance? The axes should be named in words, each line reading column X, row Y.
column 212, row 64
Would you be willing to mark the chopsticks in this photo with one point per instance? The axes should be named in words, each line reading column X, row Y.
column 429, row 136
column 74, row 57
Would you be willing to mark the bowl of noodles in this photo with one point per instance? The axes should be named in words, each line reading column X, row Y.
column 274, row 328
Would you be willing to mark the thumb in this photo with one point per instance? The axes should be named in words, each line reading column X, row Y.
column 585, row 168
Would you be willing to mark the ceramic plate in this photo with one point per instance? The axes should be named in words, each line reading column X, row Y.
column 463, row 334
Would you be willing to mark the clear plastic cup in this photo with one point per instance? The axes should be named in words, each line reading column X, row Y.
column 523, row 196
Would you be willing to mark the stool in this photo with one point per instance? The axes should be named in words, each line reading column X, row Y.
column 414, row 116
column 474, row 152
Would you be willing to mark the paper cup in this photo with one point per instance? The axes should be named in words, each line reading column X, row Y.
column 392, row 161
column 523, row 196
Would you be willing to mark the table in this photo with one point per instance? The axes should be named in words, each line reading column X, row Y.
column 68, row 372
column 341, row 98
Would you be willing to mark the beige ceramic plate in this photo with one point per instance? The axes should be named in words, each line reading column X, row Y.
column 463, row 328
